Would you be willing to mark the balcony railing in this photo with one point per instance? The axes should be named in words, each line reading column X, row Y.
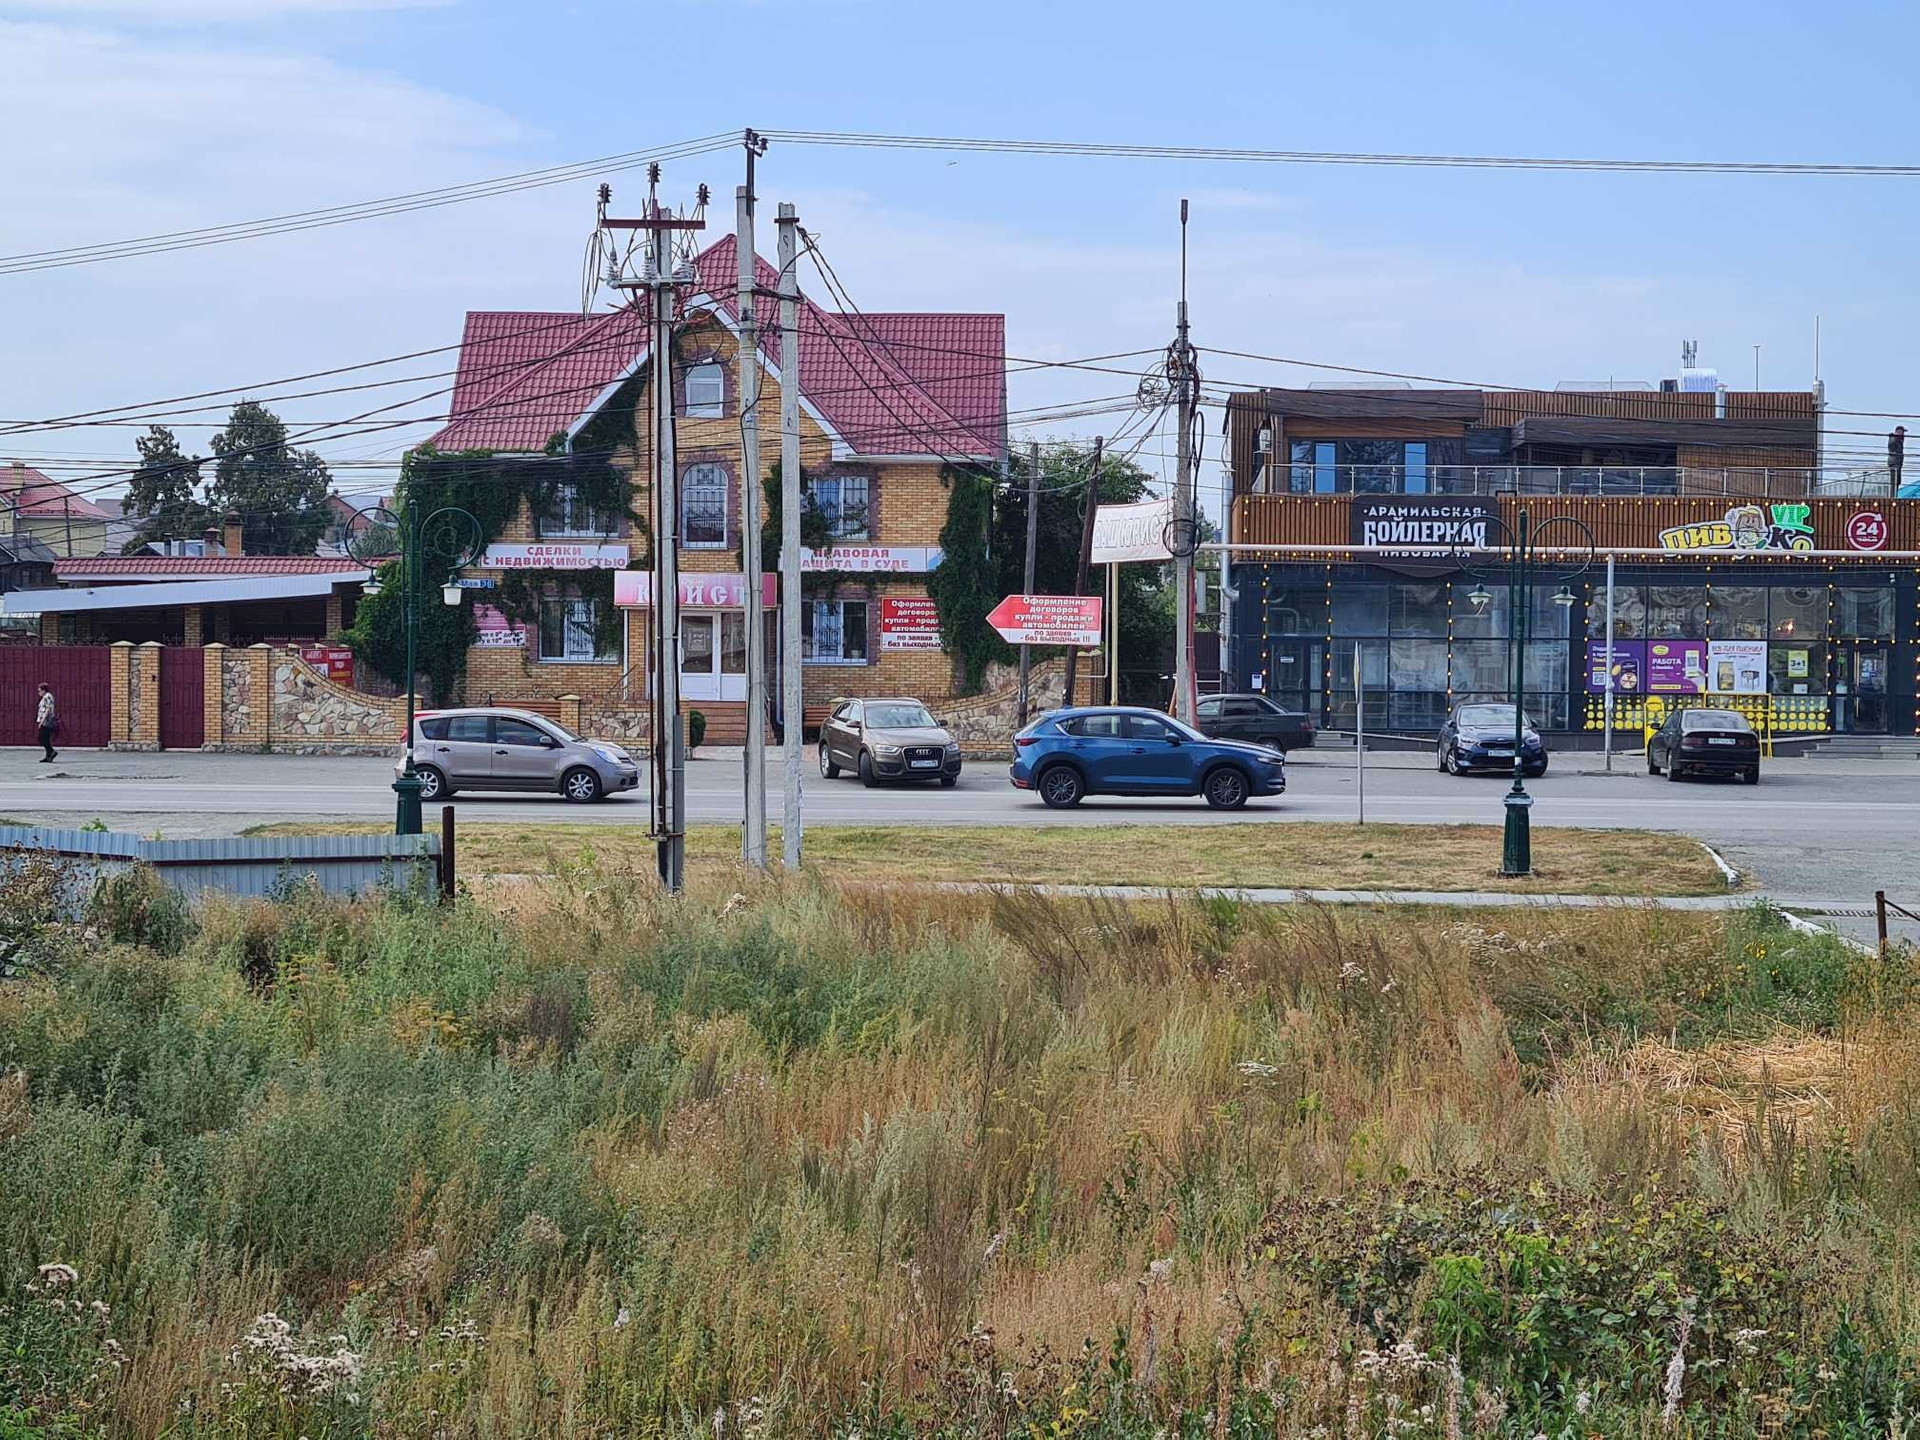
column 1732, row 482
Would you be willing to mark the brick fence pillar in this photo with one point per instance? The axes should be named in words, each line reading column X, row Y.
column 213, row 698
column 570, row 712
column 260, row 691
column 336, row 621
column 119, row 696
column 196, row 626
column 146, row 712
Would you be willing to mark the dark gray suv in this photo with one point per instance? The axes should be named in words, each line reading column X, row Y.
column 888, row 740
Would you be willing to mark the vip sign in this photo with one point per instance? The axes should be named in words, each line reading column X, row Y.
column 1745, row 527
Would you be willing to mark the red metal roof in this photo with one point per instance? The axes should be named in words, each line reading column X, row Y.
column 886, row 384
column 172, row 566
column 37, row 494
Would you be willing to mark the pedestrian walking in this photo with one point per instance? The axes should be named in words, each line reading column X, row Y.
column 48, row 719
column 1896, row 454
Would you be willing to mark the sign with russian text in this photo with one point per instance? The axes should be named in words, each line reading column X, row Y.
column 1755, row 529
column 909, row 623
column 1419, row 526
column 554, row 555
column 1628, row 664
column 333, row 661
column 1737, row 667
column 872, row 559
column 1127, row 533
column 1676, row 667
column 1048, row 620
column 634, row 588
column 496, row 632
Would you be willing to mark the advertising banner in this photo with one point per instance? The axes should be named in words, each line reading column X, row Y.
column 554, row 555
column 634, row 588
column 1676, row 667
column 1737, row 667
column 1785, row 528
column 1416, row 525
column 1048, row 620
column 333, row 661
column 1797, row 667
column 1132, row 532
column 909, row 623
column 496, row 631
column 1629, row 665
column 872, row 559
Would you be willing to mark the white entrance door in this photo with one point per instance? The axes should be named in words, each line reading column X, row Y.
column 713, row 655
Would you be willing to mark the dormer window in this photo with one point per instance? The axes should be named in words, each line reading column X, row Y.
column 707, row 390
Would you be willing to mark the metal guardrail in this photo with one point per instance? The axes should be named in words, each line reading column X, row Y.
column 338, row 864
column 1732, row 482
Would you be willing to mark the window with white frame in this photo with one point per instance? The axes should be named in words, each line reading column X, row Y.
column 568, row 513
column 843, row 501
column 703, row 507
column 570, row 632
column 834, row 632
column 707, row 390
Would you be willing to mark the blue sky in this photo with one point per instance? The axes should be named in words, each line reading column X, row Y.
column 153, row 116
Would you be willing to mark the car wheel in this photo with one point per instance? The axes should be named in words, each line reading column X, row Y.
column 828, row 770
column 1652, row 769
column 1673, row 771
column 1440, row 758
column 580, row 785
column 867, row 777
column 433, row 784
column 1061, row 787
column 1452, row 763
column 1226, row 788
column 1536, row 771
column 947, row 782
column 1752, row 777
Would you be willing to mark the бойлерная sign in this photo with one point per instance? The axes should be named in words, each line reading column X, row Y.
column 1410, row 527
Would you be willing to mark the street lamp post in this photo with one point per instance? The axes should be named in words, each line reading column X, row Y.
column 1519, row 544
column 448, row 537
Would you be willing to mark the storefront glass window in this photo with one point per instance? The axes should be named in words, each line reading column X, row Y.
column 1629, row 613
column 1546, row 665
column 1373, row 674
column 1865, row 612
column 1796, row 669
column 1297, row 609
column 1470, row 621
column 1481, row 666
column 1418, row 665
column 1737, row 612
column 1547, row 616
column 1676, row 612
column 1799, row 613
column 1359, row 609
column 1419, row 609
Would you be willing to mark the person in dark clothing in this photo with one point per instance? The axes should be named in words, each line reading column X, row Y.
column 46, row 718
column 1896, row 454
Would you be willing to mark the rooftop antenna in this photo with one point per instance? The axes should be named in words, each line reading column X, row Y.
column 1689, row 353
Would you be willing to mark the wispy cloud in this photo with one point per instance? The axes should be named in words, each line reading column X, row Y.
column 178, row 12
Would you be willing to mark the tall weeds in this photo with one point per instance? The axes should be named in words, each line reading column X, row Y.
column 798, row 1161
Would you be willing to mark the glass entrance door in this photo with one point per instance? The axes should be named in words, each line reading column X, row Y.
column 713, row 655
column 1860, row 689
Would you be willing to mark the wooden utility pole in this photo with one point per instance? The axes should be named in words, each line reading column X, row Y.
column 1086, row 553
column 1185, row 527
column 1033, row 541
column 753, row 833
column 792, row 677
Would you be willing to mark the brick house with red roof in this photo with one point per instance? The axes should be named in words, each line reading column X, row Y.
column 887, row 400
column 57, row 516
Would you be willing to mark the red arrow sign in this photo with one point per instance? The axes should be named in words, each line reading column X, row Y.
column 1048, row 620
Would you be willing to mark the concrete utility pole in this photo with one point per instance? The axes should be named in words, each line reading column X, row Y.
column 1033, row 541
column 753, row 835
column 1185, row 527
column 669, row 753
column 1086, row 555
column 792, row 679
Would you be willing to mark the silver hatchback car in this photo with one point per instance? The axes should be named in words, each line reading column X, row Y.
column 494, row 749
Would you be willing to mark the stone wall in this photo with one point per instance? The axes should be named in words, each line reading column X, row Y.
column 313, row 715
column 984, row 723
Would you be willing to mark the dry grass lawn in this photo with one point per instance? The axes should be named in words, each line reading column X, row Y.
column 1307, row 855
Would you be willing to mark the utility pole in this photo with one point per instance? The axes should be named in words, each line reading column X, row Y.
column 1185, row 527
column 1033, row 541
column 792, row 678
column 669, row 753
column 1086, row 553
column 753, row 834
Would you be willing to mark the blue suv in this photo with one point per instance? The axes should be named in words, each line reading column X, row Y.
column 1067, row 755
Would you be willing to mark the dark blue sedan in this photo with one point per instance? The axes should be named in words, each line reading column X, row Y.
column 1067, row 755
column 1480, row 737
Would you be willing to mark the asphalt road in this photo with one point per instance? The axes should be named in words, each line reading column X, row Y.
column 1814, row 828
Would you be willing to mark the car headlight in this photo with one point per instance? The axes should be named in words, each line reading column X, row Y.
column 953, row 748
column 890, row 752
column 612, row 755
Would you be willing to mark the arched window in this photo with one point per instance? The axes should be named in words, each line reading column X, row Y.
column 707, row 390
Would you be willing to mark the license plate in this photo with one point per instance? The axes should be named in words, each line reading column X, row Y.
column 924, row 764
column 1720, row 740
column 1506, row 753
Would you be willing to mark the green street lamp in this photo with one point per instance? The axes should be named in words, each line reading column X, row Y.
column 1519, row 546
column 447, row 540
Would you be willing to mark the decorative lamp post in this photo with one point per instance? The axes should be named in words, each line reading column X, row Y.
column 1518, row 546
column 448, row 540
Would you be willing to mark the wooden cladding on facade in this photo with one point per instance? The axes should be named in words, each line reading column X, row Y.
column 1617, row 522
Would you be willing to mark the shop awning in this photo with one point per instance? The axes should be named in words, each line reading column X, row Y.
column 185, row 592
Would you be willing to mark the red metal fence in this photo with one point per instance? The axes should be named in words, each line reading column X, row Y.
column 183, row 690
column 80, row 677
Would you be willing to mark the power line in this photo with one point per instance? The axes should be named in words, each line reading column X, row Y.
column 1102, row 149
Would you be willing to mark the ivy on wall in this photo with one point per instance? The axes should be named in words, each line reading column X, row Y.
column 816, row 533
column 964, row 587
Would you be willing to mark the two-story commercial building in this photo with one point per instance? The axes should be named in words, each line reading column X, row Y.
column 887, row 403
column 1741, row 577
